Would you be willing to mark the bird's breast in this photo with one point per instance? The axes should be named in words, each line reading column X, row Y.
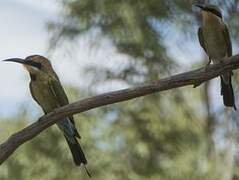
column 43, row 95
column 214, row 40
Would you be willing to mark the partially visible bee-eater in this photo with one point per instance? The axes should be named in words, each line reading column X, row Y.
column 215, row 39
column 48, row 92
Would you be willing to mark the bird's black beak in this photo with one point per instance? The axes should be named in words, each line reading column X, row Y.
column 25, row 62
column 201, row 6
column 17, row 60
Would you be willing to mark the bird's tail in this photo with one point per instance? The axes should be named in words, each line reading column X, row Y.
column 227, row 91
column 77, row 154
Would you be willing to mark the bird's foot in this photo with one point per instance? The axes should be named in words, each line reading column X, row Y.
column 40, row 120
column 197, row 84
column 208, row 64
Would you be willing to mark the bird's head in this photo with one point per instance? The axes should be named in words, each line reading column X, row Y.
column 34, row 64
column 209, row 8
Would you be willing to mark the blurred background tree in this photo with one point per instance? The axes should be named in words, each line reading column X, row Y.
column 176, row 134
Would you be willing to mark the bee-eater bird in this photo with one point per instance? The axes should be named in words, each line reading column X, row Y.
column 215, row 39
column 48, row 92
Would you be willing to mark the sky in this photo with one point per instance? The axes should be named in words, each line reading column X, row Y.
column 24, row 32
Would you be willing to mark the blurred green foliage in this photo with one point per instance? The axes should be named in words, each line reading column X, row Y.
column 161, row 136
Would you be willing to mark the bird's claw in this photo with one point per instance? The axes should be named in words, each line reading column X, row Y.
column 208, row 64
column 197, row 84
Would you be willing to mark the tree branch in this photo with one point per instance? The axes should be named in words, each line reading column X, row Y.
column 194, row 77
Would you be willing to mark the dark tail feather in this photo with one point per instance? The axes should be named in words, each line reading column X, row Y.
column 78, row 154
column 227, row 93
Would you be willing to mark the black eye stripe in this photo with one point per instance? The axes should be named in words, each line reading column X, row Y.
column 34, row 64
column 215, row 12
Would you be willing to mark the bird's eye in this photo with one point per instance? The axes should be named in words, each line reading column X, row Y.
column 214, row 11
column 34, row 64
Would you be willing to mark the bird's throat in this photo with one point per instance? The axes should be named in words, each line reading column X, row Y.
column 210, row 18
column 33, row 77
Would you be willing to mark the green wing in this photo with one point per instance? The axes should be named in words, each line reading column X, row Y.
column 59, row 93
column 201, row 39
column 228, row 41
